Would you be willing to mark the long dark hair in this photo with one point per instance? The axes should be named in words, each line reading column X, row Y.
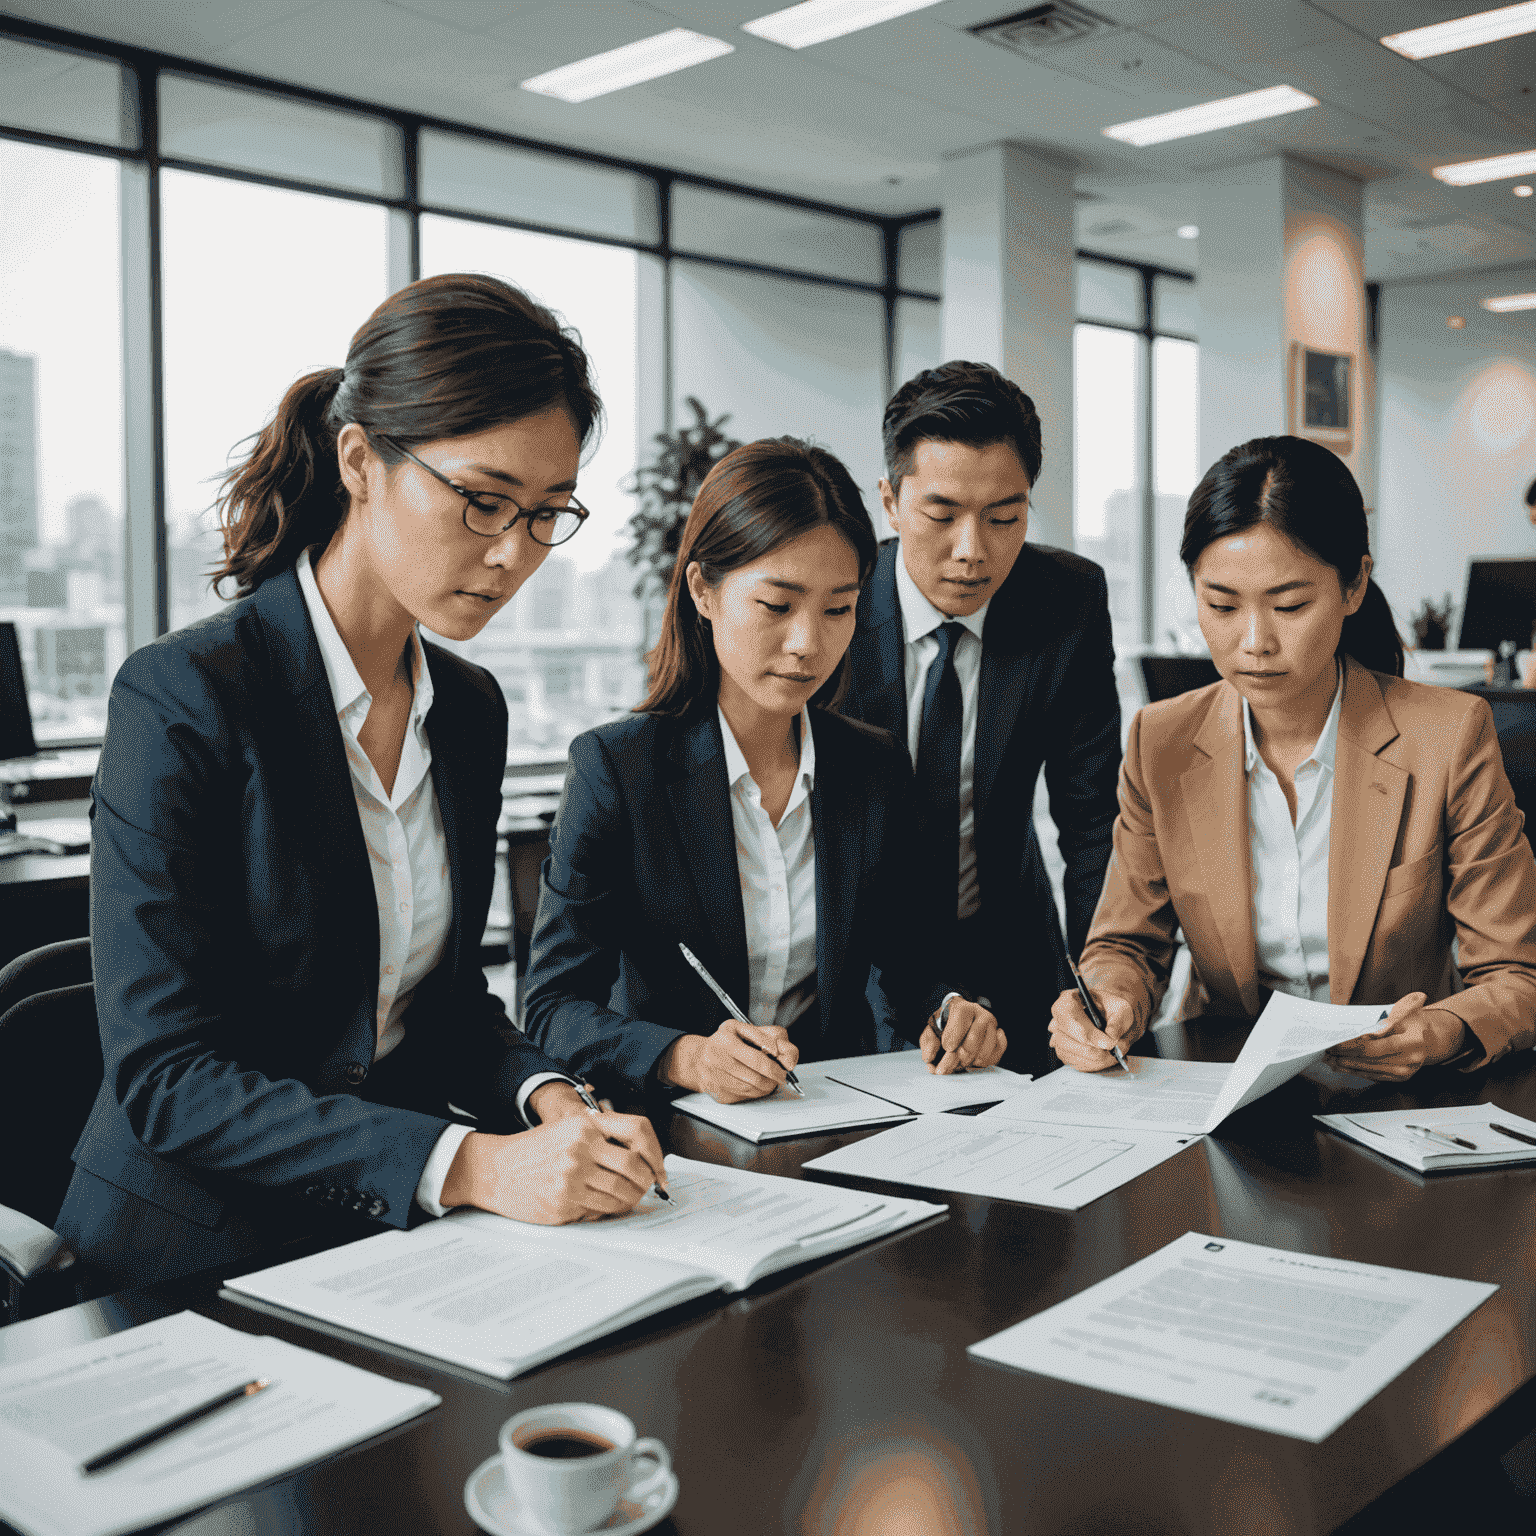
column 757, row 498
column 445, row 357
column 1309, row 495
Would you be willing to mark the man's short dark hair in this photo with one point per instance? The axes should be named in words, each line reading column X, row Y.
column 959, row 402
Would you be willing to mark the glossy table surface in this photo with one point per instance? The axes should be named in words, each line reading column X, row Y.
column 839, row 1398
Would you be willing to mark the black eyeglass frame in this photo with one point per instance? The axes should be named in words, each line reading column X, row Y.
column 581, row 512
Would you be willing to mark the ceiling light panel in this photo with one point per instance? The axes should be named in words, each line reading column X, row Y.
column 799, row 26
column 1228, row 112
column 1468, row 173
column 649, row 59
column 1464, row 32
column 1509, row 301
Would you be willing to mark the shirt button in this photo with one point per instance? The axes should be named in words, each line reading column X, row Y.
column 389, row 970
column 405, row 906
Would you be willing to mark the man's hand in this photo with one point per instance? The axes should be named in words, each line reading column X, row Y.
column 1078, row 1043
column 1413, row 1036
column 726, row 1067
column 570, row 1170
column 971, row 1039
column 554, row 1101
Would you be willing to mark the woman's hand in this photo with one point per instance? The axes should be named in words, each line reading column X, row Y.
column 1413, row 1036
column 568, row 1170
column 971, row 1039
column 1078, row 1044
column 726, row 1067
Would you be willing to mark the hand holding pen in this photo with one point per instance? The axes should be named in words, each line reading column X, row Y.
column 961, row 1037
column 726, row 1064
column 1080, row 1025
column 597, row 1109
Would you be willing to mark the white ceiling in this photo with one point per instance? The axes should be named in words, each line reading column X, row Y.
column 868, row 120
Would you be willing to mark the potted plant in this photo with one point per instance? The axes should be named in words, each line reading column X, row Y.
column 1432, row 624
column 666, row 487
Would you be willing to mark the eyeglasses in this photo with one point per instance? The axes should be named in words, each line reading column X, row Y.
column 485, row 513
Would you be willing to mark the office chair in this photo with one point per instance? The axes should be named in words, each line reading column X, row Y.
column 1165, row 677
column 50, row 1070
column 1517, row 742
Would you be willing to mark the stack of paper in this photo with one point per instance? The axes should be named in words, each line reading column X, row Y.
column 1494, row 1135
column 1283, row 1341
column 501, row 1296
column 62, row 1409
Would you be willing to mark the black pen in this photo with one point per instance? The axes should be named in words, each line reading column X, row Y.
column 597, row 1109
column 1093, row 1013
column 735, row 1012
column 160, row 1431
column 1504, row 1130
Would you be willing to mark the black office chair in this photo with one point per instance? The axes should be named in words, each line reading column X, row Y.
column 1517, row 742
column 50, row 1070
column 1165, row 677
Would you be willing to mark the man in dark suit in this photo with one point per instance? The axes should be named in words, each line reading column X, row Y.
column 990, row 658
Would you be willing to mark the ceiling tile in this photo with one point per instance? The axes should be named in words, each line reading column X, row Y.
column 1137, row 66
column 1232, row 38
column 189, row 30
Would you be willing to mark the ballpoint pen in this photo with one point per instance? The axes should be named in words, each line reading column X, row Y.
column 1504, row 1130
column 1443, row 1137
column 597, row 1109
column 735, row 1012
column 1094, row 1017
column 149, row 1437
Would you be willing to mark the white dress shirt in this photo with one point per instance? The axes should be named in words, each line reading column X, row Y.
column 1290, row 862
column 777, row 866
column 407, row 853
column 920, row 622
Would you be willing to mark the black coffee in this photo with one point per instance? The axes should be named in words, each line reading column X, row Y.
column 564, row 1444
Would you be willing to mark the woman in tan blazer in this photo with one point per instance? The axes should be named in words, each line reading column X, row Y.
column 1313, row 822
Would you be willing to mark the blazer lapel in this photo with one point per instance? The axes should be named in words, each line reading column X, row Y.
column 877, row 658
column 447, row 770
column 838, row 832
column 1007, row 676
column 1368, row 795
column 1214, row 795
column 700, row 799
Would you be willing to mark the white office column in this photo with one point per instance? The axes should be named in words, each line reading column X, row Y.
column 1009, row 297
column 1282, row 263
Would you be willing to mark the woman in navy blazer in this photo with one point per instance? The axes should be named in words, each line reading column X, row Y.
column 770, row 838
column 292, row 850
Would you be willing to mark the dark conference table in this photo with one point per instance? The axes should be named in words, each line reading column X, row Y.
column 838, row 1400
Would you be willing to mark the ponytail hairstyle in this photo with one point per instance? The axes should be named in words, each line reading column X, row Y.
column 1308, row 494
column 445, row 357
column 756, row 499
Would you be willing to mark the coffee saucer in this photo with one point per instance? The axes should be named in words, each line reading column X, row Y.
column 493, row 1508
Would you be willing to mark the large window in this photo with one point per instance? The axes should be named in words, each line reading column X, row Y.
column 61, row 431
column 1135, row 426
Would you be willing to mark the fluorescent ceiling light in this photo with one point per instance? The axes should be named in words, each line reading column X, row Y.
column 1464, row 32
column 1510, row 301
column 1467, row 173
column 816, row 20
column 1250, row 107
column 1189, row 231
column 648, row 59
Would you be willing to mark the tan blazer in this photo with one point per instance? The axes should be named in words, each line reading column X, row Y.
column 1425, row 847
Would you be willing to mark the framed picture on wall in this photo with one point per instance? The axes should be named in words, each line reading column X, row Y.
column 1321, row 396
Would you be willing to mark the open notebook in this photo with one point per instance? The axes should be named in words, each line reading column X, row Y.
column 501, row 1297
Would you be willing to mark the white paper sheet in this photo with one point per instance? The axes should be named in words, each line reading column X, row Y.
column 61, row 1409
column 1060, row 1166
column 901, row 1077
column 827, row 1105
column 1281, row 1341
column 1187, row 1097
column 1383, row 1131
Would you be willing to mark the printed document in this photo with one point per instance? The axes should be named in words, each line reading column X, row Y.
column 61, row 1409
column 501, row 1296
column 1492, row 1136
column 827, row 1105
column 1062, row 1166
column 901, row 1077
column 1280, row 1341
column 1186, row 1097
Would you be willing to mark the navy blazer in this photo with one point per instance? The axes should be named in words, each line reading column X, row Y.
column 1048, row 698
column 235, row 942
column 643, row 855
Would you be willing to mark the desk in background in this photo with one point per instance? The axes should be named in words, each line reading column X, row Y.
column 827, row 1392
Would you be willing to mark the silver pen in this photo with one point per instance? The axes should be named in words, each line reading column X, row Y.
column 597, row 1109
column 1445, row 1138
column 735, row 1012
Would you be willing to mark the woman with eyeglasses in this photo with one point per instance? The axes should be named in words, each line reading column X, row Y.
column 294, row 826
column 735, row 812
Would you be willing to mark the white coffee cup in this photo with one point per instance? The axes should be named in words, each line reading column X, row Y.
column 560, row 1485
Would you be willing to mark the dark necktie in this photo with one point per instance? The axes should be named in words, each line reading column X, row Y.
column 938, row 775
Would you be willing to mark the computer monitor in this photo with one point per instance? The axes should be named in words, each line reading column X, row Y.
column 16, row 739
column 1500, row 605
column 1166, row 677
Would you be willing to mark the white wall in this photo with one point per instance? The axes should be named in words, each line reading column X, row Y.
column 1457, row 435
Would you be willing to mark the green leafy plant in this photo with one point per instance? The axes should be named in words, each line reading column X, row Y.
column 1432, row 624
column 666, row 487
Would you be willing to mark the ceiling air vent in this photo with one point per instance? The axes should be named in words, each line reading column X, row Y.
column 1043, row 26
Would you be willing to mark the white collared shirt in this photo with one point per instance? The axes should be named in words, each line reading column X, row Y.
column 920, row 622
column 777, row 866
column 407, row 854
column 1290, row 862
